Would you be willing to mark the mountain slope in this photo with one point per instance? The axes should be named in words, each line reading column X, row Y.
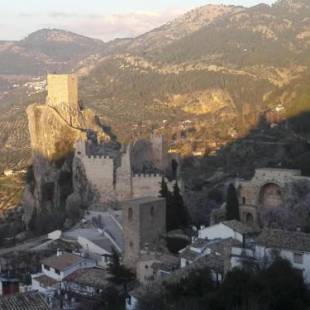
column 243, row 62
column 46, row 50
column 205, row 79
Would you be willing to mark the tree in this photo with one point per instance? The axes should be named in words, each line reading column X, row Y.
column 164, row 191
column 121, row 275
column 177, row 215
column 180, row 207
column 232, row 204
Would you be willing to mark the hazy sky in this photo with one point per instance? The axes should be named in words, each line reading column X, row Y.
column 104, row 19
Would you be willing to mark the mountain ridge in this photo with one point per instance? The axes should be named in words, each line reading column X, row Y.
column 220, row 77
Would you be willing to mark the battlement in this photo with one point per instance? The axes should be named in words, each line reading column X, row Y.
column 147, row 175
column 96, row 157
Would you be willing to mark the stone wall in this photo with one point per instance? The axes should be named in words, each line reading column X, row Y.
column 99, row 171
column 146, row 185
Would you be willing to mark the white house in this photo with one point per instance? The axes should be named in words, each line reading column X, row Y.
column 293, row 246
column 56, row 268
column 228, row 229
column 87, row 282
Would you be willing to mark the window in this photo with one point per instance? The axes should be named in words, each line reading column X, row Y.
column 131, row 244
column 130, row 214
column 243, row 200
column 146, row 267
column 57, row 271
column 298, row 258
column 152, row 211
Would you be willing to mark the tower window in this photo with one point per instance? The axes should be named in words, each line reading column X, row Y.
column 243, row 200
column 152, row 211
column 130, row 214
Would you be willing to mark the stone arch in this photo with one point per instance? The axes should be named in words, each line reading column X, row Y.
column 270, row 196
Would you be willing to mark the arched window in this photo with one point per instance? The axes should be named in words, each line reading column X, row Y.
column 249, row 218
column 130, row 214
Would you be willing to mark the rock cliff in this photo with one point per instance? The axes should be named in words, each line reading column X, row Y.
column 54, row 127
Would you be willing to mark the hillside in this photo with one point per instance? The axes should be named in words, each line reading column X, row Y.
column 45, row 50
column 204, row 79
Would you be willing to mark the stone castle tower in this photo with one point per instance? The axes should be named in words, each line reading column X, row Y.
column 123, row 179
column 144, row 222
column 63, row 97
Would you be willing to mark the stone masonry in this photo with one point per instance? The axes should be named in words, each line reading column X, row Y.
column 144, row 222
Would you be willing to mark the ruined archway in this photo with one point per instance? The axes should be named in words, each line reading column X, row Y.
column 270, row 196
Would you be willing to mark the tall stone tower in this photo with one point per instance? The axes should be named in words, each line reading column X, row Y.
column 123, row 179
column 63, row 96
column 159, row 151
column 144, row 222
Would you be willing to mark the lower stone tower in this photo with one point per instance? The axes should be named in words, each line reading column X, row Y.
column 144, row 223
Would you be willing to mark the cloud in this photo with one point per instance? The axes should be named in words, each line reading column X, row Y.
column 108, row 27
column 105, row 27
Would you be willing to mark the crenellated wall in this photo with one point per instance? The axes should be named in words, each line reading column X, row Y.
column 116, row 182
column 99, row 171
column 146, row 185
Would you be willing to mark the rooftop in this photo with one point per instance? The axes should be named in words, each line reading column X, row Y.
column 45, row 281
column 276, row 238
column 88, row 233
column 241, row 227
column 62, row 262
column 189, row 254
column 219, row 246
column 144, row 200
column 92, row 277
column 167, row 263
column 26, row 301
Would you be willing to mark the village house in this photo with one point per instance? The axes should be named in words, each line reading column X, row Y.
column 293, row 246
column 87, row 282
column 154, row 266
column 229, row 229
column 204, row 247
column 56, row 268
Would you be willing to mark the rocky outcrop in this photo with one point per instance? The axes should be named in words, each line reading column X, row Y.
column 54, row 128
column 52, row 136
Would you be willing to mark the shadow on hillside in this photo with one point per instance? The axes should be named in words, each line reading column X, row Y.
column 282, row 145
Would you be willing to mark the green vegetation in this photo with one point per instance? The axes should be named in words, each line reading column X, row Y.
column 278, row 287
column 120, row 274
column 232, row 204
column 177, row 215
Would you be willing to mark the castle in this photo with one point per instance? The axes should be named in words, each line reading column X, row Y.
column 110, row 173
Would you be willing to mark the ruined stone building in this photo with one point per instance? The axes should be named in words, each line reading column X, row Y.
column 144, row 223
column 268, row 189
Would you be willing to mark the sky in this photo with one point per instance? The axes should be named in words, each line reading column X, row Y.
column 102, row 19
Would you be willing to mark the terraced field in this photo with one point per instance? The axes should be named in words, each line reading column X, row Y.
column 11, row 190
column 14, row 140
